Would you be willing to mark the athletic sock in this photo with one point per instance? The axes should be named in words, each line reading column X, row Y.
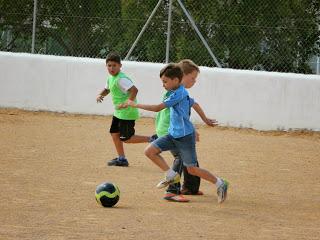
column 219, row 182
column 170, row 174
column 122, row 158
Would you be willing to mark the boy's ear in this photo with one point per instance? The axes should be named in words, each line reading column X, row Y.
column 177, row 79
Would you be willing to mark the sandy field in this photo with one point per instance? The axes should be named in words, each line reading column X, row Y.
column 51, row 164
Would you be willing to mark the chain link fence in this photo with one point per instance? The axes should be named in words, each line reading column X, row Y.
column 267, row 35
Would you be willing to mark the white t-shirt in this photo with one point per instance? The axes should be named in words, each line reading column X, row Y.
column 124, row 84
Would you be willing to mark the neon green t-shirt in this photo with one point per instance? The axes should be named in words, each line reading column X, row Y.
column 163, row 119
column 119, row 97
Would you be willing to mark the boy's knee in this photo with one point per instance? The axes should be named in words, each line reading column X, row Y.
column 151, row 151
column 148, row 151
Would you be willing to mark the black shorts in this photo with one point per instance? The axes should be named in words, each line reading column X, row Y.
column 124, row 127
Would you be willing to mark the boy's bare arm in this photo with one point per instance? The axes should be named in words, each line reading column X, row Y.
column 133, row 91
column 198, row 109
column 152, row 108
column 102, row 94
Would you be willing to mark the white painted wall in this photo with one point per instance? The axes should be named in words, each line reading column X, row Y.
column 259, row 100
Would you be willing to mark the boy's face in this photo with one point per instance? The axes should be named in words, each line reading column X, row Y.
column 189, row 79
column 113, row 67
column 170, row 83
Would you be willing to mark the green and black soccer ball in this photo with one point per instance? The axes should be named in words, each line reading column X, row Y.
column 107, row 194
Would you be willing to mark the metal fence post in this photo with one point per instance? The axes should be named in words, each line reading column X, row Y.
column 34, row 25
column 169, row 32
column 199, row 34
column 142, row 30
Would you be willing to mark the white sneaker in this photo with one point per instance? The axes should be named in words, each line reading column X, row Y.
column 168, row 181
column 222, row 191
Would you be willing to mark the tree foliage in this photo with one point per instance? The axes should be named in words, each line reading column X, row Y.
column 243, row 34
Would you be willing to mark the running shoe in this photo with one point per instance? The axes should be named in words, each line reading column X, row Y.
column 175, row 197
column 118, row 162
column 168, row 181
column 222, row 191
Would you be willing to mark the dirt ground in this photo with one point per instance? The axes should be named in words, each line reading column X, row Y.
column 51, row 164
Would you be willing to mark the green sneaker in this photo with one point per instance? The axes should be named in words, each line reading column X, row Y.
column 222, row 191
column 165, row 182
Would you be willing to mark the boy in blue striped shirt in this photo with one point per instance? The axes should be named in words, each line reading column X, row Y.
column 181, row 133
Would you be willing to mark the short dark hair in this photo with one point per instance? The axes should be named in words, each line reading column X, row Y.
column 114, row 57
column 172, row 70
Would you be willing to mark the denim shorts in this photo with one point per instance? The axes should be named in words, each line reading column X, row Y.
column 186, row 146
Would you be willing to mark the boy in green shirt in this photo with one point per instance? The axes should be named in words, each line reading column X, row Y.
column 121, row 89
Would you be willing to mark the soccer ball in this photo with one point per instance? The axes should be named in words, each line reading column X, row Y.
column 107, row 194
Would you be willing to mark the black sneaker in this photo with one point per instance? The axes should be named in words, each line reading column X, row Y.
column 118, row 162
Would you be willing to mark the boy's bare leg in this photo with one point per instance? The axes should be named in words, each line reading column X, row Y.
column 138, row 139
column 153, row 153
column 118, row 143
column 202, row 173
column 222, row 185
column 172, row 177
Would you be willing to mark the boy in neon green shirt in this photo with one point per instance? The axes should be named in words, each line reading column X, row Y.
column 121, row 89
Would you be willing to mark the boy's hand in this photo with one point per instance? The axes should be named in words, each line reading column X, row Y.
column 122, row 105
column 211, row 122
column 131, row 103
column 99, row 98
column 127, row 104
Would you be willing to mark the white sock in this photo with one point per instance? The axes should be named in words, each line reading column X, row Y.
column 170, row 174
column 219, row 182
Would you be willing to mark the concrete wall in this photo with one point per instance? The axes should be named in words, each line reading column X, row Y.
column 259, row 100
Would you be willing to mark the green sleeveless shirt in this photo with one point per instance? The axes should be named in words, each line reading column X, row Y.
column 119, row 97
column 163, row 119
